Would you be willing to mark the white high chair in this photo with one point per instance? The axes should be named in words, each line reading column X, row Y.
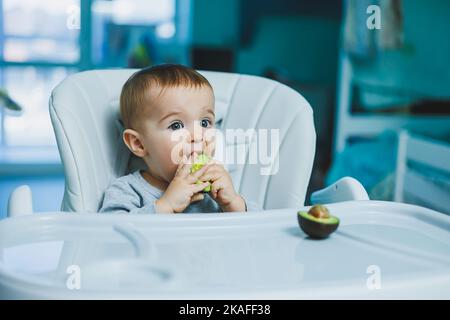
column 84, row 113
column 264, row 255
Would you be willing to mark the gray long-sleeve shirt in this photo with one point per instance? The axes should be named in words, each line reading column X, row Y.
column 133, row 194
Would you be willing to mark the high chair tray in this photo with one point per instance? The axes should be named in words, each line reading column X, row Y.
column 380, row 250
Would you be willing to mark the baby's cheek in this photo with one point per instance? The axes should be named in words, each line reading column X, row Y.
column 209, row 144
column 170, row 163
column 175, row 141
column 174, row 152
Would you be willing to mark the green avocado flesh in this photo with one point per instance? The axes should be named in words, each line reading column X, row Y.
column 199, row 162
column 330, row 220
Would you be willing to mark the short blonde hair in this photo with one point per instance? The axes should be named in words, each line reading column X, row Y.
column 135, row 92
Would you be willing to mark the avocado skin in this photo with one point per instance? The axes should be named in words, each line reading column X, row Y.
column 315, row 229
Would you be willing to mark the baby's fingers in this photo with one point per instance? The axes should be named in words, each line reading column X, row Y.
column 199, row 187
column 186, row 167
column 212, row 174
column 181, row 163
column 197, row 197
column 199, row 172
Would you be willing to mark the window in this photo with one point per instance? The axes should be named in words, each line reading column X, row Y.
column 125, row 32
column 42, row 42
column 40, row 30
column 39, row 47
column 31, row 87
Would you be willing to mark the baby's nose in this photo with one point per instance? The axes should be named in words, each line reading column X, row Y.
column 196, row 133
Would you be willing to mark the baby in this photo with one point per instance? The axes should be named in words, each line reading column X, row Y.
column 168, row 115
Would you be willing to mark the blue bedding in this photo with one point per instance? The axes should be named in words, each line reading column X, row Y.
column 370, row 161
column 373, row 163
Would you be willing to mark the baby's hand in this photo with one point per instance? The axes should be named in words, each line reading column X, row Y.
column 222, row 190
column 183, row 190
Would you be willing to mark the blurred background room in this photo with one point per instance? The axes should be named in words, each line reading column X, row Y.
column 381, row 97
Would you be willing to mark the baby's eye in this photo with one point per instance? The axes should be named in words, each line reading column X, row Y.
column 176, row 126
column 205, row 123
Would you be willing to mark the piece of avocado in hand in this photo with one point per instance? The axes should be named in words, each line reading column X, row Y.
column 317, row 222
column 199, row 162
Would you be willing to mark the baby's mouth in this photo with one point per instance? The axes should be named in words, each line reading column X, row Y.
column 198, row 149
column 195, row 153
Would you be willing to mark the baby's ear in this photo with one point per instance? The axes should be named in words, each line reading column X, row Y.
column 133, row 141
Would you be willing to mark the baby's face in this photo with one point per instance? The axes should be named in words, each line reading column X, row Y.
column 178, row 123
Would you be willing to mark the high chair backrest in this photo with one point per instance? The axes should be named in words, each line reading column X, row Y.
column 84, row 109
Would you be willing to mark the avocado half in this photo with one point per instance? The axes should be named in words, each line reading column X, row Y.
column 199, row 162
column 317, row 227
